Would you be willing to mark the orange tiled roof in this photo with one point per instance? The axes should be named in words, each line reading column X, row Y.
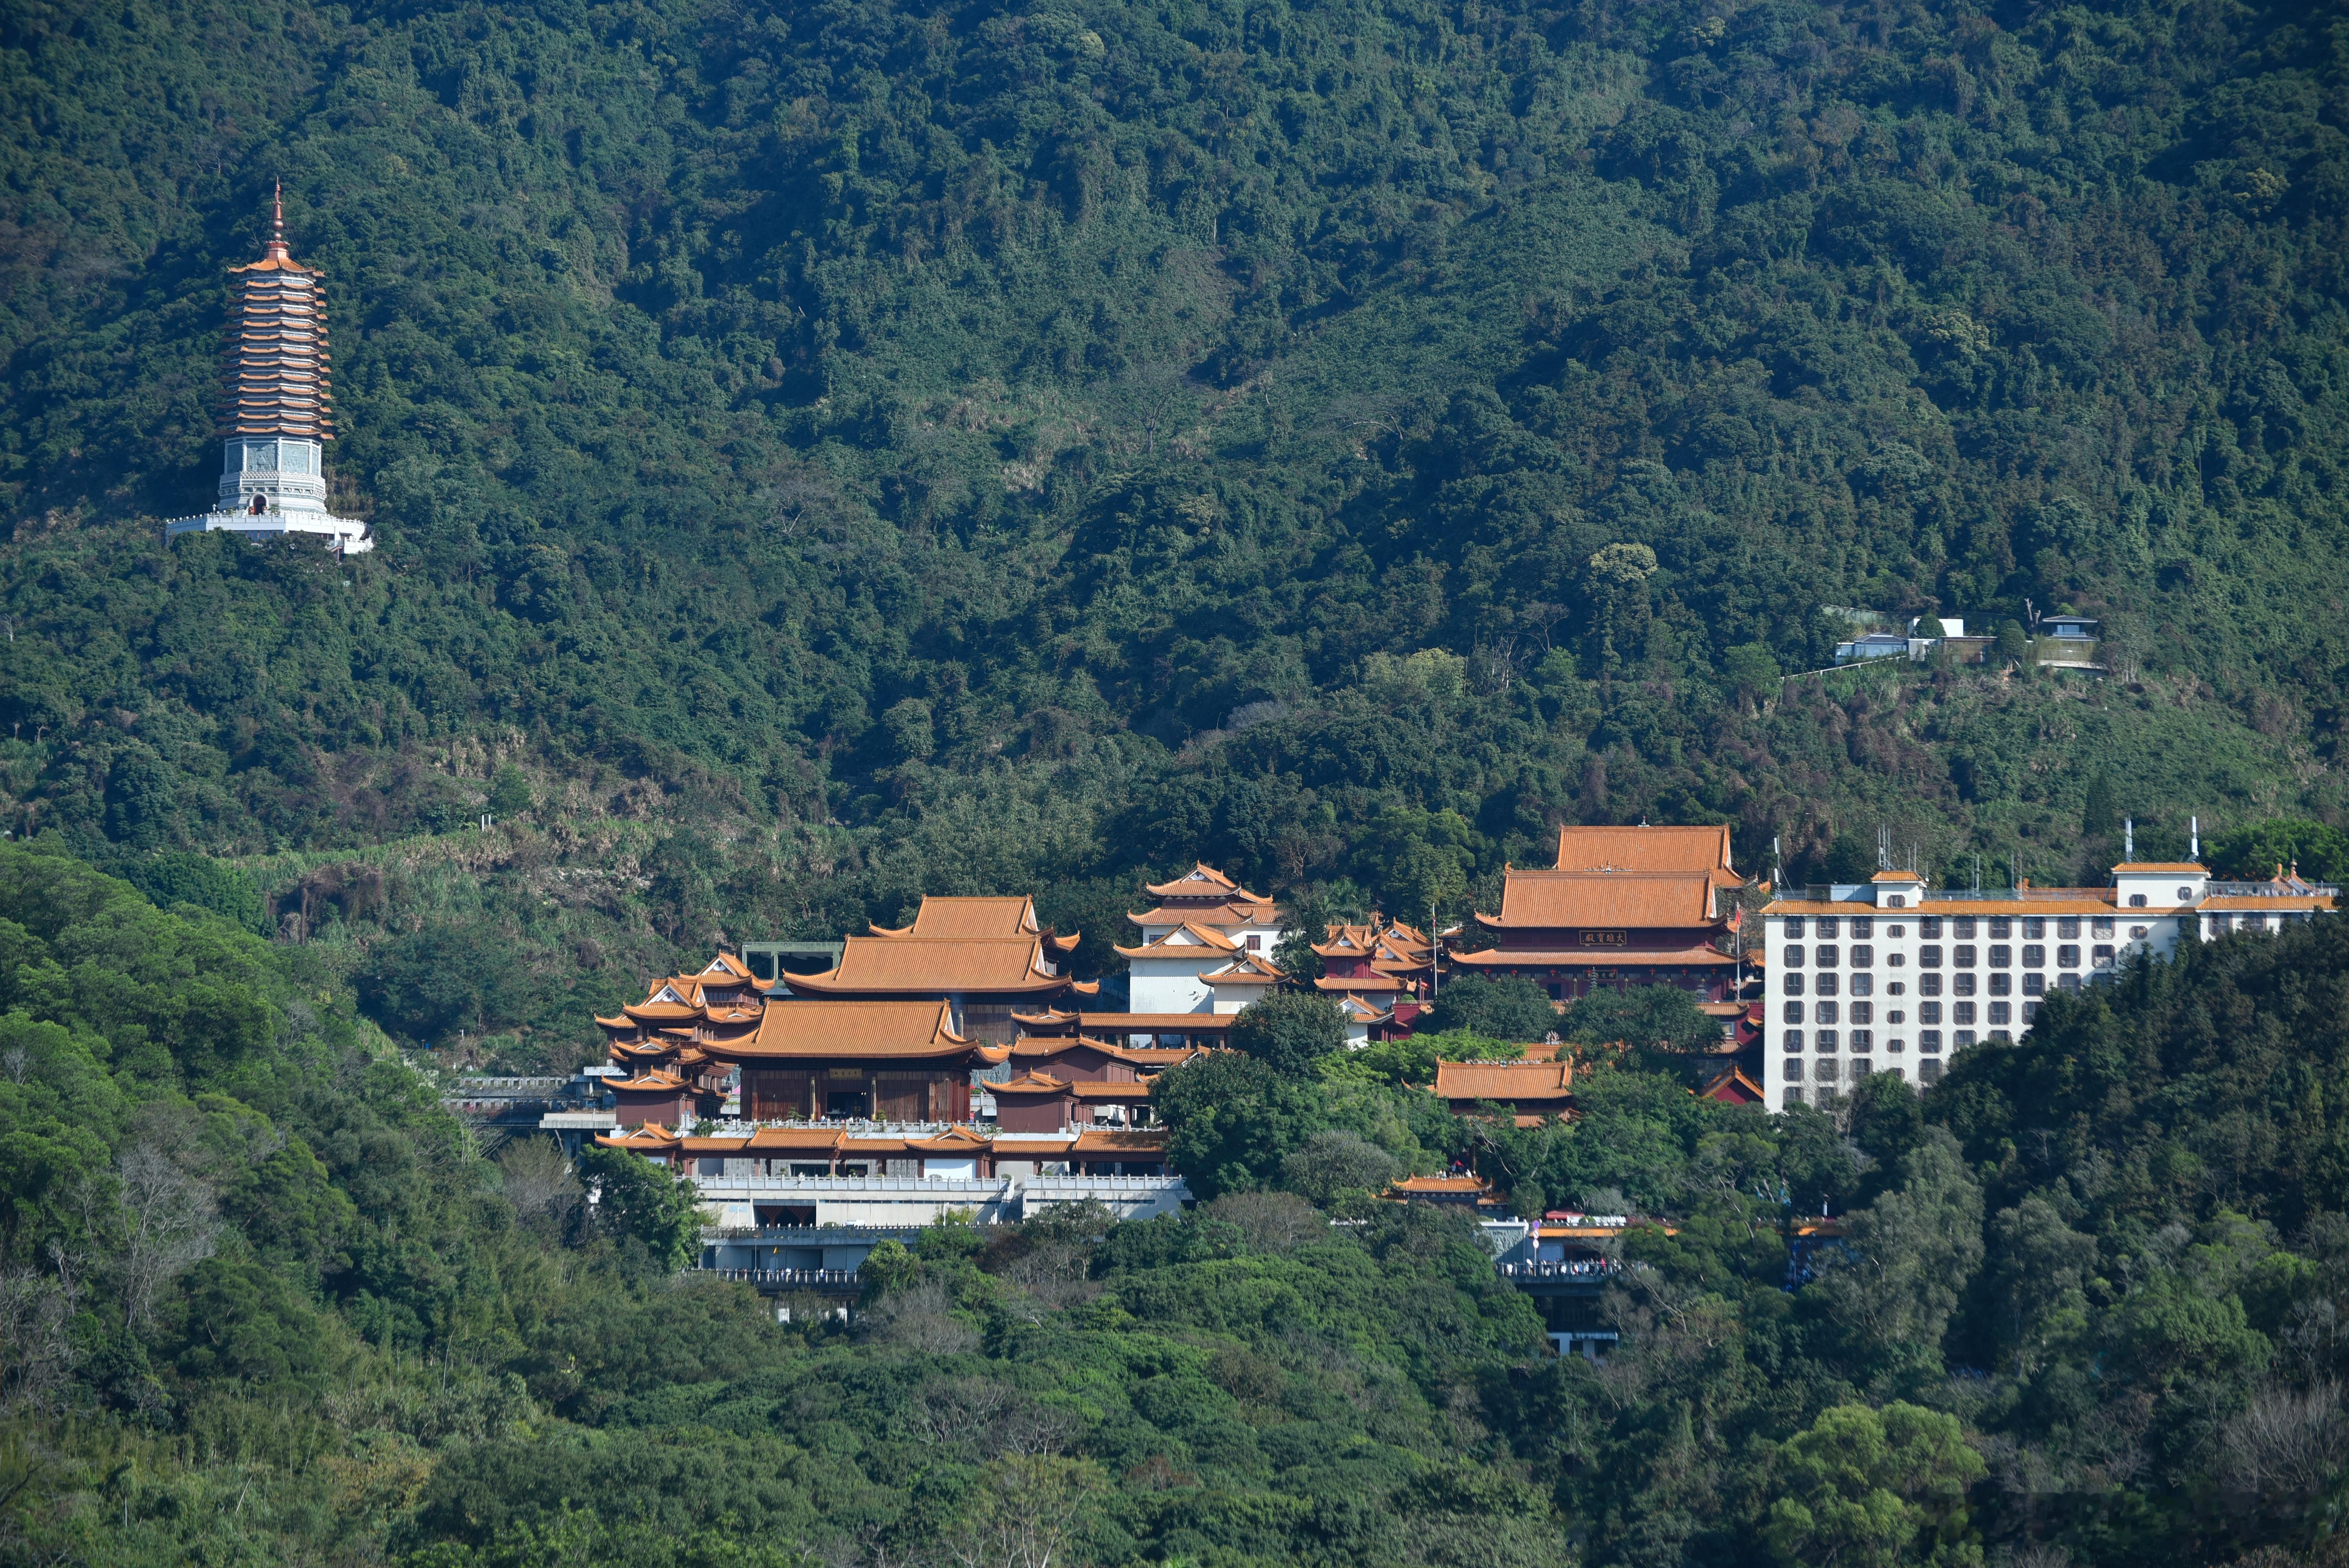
column 969, row 917
column 2034, row 901
column 2263, row 902
column 1702, row 851
column 1733, row 1087
column 883, row 965
column 822, row 1029
column 1243, row 967
column 1592, row 958
column 1202, row 881
column 1250, row 911
column 2161, row 868
column 1203, row 939
column 1443, row 1184
column 1554, row 899
column 1504, row 1082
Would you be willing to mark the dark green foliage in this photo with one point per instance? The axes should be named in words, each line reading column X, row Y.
column 1510, row 1007
column 1233, row 1120
column 1652, row 1018
column 2257, row 850
column 1289, row 1031
column 647, row 1204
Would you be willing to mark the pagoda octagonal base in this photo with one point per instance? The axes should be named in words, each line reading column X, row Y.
column 349, row 535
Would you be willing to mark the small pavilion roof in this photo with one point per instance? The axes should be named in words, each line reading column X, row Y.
column 1202, row 881
column 1188, row 940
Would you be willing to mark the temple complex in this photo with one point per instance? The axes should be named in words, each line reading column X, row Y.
column 1623, row 907
column 276, row 412
column 1380, row 974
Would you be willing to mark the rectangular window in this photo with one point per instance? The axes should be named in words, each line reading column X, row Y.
column 2034, row 984
column 1863, row 1012
column 1826, row 957
column 1827, row 925
column 1929, row 958
column 1963, row 957
column 1794, row 1096
column 1929, row 1072
column 1860, row 1066
column 1824, row 1040
column 2068, row 926
column 2034, row 956
column 2002, row 984
column 1791, row 1070
column 1962, row 1012
column 2002, row 1038
column 2002, row 957
column 1793, row 1040
column 1929, row 1041
column 1928, row 985
column 1929, row 926
column 2102, row 926
column 2001, row 928
column 2103, row 956
column 2067, row 981
column 1794, row 958
column 2030, row 1012
column 1827, row 984
column 1963, row 1038
column 1793, row 925
column 1862, row 956
column 2001, row 1012
column 2034, row 925
column 1794, row 1012
column 1962, row 928
column 1792, row 984
column 1962, row 985
column 1862, row 925
column 2067, row 956
column 1828, row 1012
column 1928, row 1012
column 1863, row 985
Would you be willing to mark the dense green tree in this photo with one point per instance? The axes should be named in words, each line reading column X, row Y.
column 1876, row 1488
column 1510, row 1007
column 647, row 1203
column 1289, row 1031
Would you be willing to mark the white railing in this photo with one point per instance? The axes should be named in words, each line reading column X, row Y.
column 844, row 1184
column 1593, row 1269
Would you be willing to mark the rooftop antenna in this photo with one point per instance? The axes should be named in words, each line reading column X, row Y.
column 1977, row 873
column 1777, row 872
column 2194, row 839
column 2128, row 838
column 1883, row 849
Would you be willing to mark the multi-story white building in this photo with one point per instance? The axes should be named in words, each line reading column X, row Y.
column 1890, row 975
column 1207, row 946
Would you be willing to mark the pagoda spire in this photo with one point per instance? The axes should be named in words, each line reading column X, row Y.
column 275, row 251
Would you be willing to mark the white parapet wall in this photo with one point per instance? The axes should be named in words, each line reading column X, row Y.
column 892, row 1202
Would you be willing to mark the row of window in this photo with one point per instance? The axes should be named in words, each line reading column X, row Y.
column 1962, row 927
column 1865, row 1013
column 1929, row 1071
column 2034, row 957
column 1794, row 983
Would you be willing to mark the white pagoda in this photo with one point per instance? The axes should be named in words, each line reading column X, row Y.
column 276, row 414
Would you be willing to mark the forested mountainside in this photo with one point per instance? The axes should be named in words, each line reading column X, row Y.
column 263, row 1301
column 823, row 453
